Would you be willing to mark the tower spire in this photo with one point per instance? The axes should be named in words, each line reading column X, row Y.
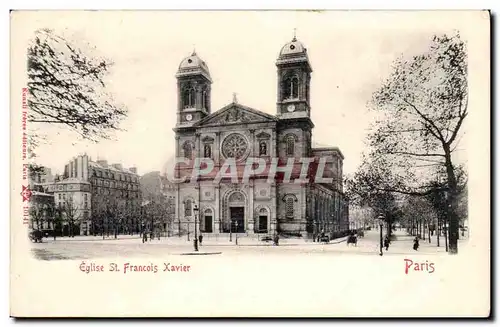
column 294, row 34
column 235, row 99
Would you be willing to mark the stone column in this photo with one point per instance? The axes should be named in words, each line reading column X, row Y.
column 177, row 209
column 303, row 205
column 274, row 214
column 197, row 145
column 252, row 139
column 273, row 144
column 216, row 149
column 251, row 209
column 217, row 213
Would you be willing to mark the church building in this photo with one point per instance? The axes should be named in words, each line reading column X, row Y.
column 238, row 133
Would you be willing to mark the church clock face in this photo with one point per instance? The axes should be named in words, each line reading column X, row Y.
column 189, row 117
column 291, row 108
column 234, row 146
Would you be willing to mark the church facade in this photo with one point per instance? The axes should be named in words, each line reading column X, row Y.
column 276, row 149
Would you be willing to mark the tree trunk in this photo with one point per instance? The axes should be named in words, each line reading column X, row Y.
column 451, row 203
column 54, row 229
column 445, row 235
column 438, row 230
column 429, row 231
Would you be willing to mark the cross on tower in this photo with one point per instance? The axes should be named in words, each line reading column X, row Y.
column 235, row 99
column 295, row 34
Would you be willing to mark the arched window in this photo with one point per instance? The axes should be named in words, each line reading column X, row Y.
column 187, row 208
column 290, row 145
column 192, row 100
column 204, row 99
column 289, row 207
column 287, row 92
column 294, row 86
column 307, row 89
column 188, row 98
column 290, row 88
column 263, row 148
column 188, row 150
column 207, row 149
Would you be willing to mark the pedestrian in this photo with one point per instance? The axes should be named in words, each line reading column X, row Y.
column 276, row 239
column 200, row 238
column 415, row 244
column 144, row 237
column 386, row 243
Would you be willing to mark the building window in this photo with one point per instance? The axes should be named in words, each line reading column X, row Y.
column 289, row 207
column 290, row 145
column 188, row 150
column 207, row 151
column 205, row 99
column 263, row 148
column 188, row 98
column 187, row 208
column 291, row 88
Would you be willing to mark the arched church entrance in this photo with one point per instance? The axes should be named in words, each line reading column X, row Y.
column 263, row 221
column 207, row 221
column 234, row 220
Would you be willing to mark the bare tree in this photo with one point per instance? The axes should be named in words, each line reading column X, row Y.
column 39, row 214
column 67, row 87
column 71, row 213
column 422, row 107
column 56, row 220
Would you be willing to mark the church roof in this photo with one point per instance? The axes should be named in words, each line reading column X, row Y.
column 293, row 52
column 235, row 113
column 193, row 65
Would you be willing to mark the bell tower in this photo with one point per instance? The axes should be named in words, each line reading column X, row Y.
column 193, row 90
column 294, row 81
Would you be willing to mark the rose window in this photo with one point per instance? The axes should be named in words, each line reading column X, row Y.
column 234, row 146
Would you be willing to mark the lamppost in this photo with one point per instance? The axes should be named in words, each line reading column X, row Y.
column 230, row 230
column 381, row 224
column 179, row 226
column 195, row 242
column 315, row 230
column 143, row 230
column 236, row 225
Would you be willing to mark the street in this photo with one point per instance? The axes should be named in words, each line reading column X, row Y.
column 132, row 247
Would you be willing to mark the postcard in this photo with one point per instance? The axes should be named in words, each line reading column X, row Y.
column 250, row 164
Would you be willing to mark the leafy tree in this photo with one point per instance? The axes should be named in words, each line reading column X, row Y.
column 421, row 110
column 67, row 87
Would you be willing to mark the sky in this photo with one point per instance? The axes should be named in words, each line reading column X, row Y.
column 350, row 53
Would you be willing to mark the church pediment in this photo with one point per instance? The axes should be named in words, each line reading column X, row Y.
column 235, row 114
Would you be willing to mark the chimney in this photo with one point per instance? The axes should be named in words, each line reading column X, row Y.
column 117, row 166
column 133, row 170
column 103, row 163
